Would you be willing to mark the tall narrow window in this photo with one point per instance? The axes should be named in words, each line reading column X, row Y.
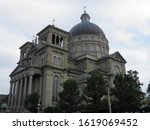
column 53, row 38
column 55, row 89
column 59, row 61
column 87, row 48
column 55, row 60
column 57, row 40
column 61, row 42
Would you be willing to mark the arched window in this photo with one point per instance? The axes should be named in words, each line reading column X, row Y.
column 97, row 48
column 61, row 42
column 87, row 46
column 92, row 47
column 71, row 49
column 83, row 48
column 77, row 48
column 55, row 89
column 54, row 59
column 57, row 40
column 53, row 38
column 102, row 48
column 74, row 49
column 59, row 61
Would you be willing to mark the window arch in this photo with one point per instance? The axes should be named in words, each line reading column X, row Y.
column 73, row 49
column 84, row 49
column 54, row 59
column 92, row 47
column 57, row 40
column 53, row 38
column 59, row 61
column 87, row 47
column 81, row 48
column 55, row 89
column 97, row 48
column 61, row 42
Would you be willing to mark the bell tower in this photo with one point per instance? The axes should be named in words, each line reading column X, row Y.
column 56, row 41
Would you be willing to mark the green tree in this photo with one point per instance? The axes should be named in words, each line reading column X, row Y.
column 148, row 90
column 70, row 98
column 145, row 106
column 128, row 91
column 94, row 91
column 31, row 102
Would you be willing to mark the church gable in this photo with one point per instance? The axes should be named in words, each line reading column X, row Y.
column 26, row 51
column 28, row 45
column 117, row 56
column 17, row 69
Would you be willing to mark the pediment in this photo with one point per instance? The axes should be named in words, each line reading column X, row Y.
column 114, row 56
column 118, row 57
column 28, row 45
column 17, row 69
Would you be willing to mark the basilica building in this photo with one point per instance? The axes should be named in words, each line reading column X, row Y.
column 57, row 55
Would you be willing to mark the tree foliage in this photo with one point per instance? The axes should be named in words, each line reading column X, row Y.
column 70, row 98
column 31, row 102
column 146, row 101
column 128, row 91
column 127, row 94
column 148, row 90
column 93, row 93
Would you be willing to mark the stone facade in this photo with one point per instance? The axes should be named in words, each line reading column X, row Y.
column 57, row 55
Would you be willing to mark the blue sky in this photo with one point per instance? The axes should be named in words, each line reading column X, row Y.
column 126, row 24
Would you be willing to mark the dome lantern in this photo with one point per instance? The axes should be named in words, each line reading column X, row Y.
column 85, row 17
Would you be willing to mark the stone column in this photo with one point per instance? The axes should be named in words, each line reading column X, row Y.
column 30, row 84
column 24, row 90
column 16, row 93
column 20, row 92
column 10, row 94
column 13, row 95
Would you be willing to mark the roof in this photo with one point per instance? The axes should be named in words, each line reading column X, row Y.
column 51, row 26
column 31, row 43
column 86, row 27
column 115, row 55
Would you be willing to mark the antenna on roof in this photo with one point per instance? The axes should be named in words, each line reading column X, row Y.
column 53, row 21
